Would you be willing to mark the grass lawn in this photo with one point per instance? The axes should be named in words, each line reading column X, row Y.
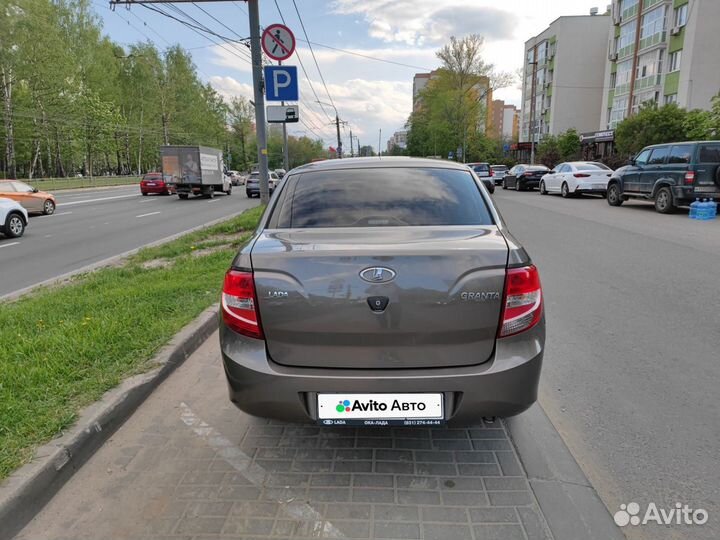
column 58, row 184
column 62, row 348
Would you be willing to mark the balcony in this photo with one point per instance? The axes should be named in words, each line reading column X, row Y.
column 649, row 41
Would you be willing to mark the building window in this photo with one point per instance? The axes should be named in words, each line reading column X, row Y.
column 626, row 41
column 674, row 61
column 671, row 98
column 613, row 79
column 628, row 8
column 622, row 82
column 652, row 28
column 681, row 14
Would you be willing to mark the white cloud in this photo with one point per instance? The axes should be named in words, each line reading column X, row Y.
column 230, row 88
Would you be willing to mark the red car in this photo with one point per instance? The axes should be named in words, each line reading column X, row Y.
column 153, row 183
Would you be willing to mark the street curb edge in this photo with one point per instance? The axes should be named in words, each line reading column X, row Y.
column 27, row 490
column 570, row 504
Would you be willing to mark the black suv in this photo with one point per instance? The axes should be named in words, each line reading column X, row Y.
column 671, row 175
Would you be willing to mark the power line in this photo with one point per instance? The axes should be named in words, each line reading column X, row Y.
column 282, row 17
column 368, row 57
column 302, row 24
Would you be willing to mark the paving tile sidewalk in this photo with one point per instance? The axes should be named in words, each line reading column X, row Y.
column 189, row 465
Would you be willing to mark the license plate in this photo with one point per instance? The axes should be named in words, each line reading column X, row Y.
column 599, row 186
column 150, row 184
column 705, row 189
column 381, row 409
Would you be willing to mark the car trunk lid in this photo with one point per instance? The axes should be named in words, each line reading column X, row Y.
column 443, row 302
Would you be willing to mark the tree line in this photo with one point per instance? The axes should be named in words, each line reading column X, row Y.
column 74, row 101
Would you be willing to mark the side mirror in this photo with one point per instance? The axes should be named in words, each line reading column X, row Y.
column 35, row 190
column 633, row 161
column 551, row 172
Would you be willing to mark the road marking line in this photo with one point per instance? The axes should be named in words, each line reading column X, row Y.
column 214, row 200
column 55, row 215
column 97, row 200
column 148, row 214
column 289, row 498
column 10, row 244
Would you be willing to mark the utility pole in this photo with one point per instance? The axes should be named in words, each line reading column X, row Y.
column 351, row 145
column 534, row 64
column 258, row 91
column 337, row 127
column 379, row 139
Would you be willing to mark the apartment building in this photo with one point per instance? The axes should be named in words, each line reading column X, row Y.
column 511, row 123
column 482, row 88
column 563, row 76
column 398, row 139
column 661, row 51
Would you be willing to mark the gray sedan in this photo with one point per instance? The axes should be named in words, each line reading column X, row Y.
column 382, row 292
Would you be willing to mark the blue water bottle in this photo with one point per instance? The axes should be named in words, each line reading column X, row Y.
column 694, row 209
column 701, row 211
column 706, row 210
column 712, row 212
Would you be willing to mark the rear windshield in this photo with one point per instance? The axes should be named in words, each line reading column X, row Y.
column 499, row 168
column 384, row 198
column 592, row 167
column 531, row 168
column 481, row 167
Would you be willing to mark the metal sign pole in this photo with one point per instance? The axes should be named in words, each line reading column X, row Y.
column 286, row 153
column 258, row 91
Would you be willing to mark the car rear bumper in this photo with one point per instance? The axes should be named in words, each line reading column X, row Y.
column 156, row 189
column 503, row 386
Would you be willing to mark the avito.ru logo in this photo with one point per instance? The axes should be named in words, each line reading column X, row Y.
column 629, row 514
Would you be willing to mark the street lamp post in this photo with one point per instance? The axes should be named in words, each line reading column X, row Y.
column 534, row 64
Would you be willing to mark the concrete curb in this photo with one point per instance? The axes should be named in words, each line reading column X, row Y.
column 27, row 490
column 570, row 504
column 114, row 259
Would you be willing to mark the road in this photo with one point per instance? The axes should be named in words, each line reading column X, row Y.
column 92, row 225
column 631, row 367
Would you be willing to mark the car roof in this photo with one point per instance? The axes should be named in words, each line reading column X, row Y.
column 679, row 142
column 380, row 163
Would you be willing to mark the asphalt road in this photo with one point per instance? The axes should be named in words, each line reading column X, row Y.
column 631, row 367
column 92, row 225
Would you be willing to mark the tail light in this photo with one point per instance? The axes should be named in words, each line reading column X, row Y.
column 522, row 302
column 491, row 173
column 581, row 175
column 239, row 304
column 690, row 177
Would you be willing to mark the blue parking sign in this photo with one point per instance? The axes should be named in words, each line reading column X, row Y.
column 281, row 83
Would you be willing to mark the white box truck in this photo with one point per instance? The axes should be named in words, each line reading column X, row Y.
column 196, row 170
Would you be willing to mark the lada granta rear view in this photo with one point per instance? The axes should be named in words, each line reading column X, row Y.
column 382, row 292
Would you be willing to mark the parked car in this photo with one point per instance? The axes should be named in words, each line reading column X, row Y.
column 670, row 175
column 153, row 182
column 252, row 186
column 522, row 177
column 484, row 172
column 382, row 291
column 499, row 172
column 280, row 173
column 13, row 218
column 30, row 198
column 576, row 177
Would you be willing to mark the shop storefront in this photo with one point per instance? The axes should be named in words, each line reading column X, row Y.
column 597, row 145
column 521, row 152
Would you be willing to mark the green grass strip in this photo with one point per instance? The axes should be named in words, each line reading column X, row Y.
column 58, row 184
column 61, row 348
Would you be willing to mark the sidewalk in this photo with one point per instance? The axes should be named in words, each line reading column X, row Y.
column 189, row 465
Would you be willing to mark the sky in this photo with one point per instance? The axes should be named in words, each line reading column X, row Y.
column 369, row 95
